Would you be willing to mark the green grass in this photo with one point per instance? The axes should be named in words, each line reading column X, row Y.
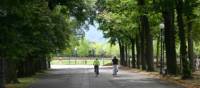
column 78, row 62
column 24, row 82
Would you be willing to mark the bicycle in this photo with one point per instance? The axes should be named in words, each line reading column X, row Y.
column 96, row 70
column 115, row 70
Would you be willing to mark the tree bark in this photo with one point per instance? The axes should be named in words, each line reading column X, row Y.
column 49, row 63
column 126, row 55
column 11, row 71
column 148, row 45
column 133, row 53
column 183, row 53
column 120, row 50
column 168, row 15
column 157, row 51
column 190, row 44
column 138, row 49
column 2, row 75
column 143, row 60
column 146, row 39
column 20, row 67
column 121, row 46
column 141, row 3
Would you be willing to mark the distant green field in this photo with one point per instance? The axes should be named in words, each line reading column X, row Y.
column 78, row 62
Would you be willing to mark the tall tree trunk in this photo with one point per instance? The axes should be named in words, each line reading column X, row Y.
column 183, row 53
column 20, row 67
column 190, row 43
column 129, row 58
column 133, row 53
column 143, row 60
column 121, row 46
column 146, row 38
column 11, row 71
column 32, row 71
column 168, row 15
column 45, row 64
column 2, row 75
column 37, row 64
column 138, row 49
column 126, row 54
column 148, row 45
column 141, row 3
column 157, row 51
column 26, row 67
column 30, row 65
column 49, row 63
column 123, row 55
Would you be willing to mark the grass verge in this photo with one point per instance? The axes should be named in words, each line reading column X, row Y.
column 25, row 82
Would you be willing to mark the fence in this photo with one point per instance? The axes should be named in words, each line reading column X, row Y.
column 79, row 60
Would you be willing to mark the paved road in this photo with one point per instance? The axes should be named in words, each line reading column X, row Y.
column 83, row 77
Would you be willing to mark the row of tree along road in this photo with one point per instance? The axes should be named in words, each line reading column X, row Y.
column 134, row 25
column 32, row 31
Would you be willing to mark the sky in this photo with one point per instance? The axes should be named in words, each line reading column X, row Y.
column 95, row 35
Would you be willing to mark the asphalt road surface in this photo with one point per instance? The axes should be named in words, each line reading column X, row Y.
column 84, row 77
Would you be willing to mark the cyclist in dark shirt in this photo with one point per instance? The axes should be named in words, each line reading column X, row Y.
column 115, row 61
column 115, row 67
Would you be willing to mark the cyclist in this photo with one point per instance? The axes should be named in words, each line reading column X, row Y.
column 115, row 63
column 96, row 64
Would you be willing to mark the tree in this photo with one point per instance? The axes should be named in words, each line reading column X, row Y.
column 30, row 33
column 146, row 37
column 189, row 7
column 168, row 15
column 183, row 53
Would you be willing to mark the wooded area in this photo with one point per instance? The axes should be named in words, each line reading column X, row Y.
column 32, row 31
column 134, row 24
